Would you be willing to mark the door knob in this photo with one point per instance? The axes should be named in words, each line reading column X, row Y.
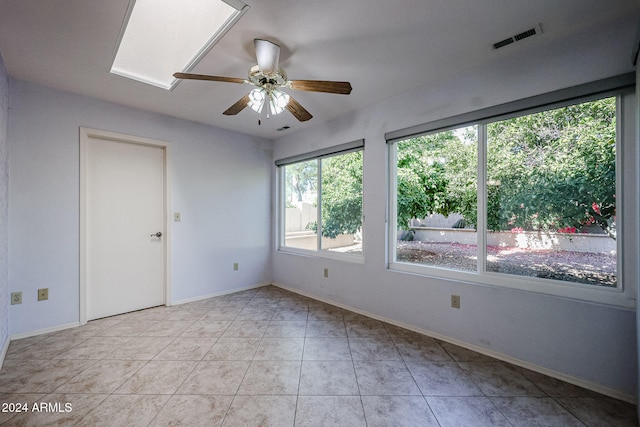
column 158, row 234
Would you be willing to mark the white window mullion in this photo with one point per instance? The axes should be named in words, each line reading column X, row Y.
column 621, row 120
column 392, row 204
column 482, row 198
column 319, row 208
column 281, row 179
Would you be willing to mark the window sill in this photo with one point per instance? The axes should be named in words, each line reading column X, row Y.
column 578, row 291
column 353, row 258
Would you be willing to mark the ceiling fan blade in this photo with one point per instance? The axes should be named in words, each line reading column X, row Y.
column 208, row 77
column 342, row 88
column 298, row 111
column 238, row 106
column 268, row 56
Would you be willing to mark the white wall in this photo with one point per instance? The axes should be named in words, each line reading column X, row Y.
column 586, row 341
column 4, row 209
column 213, row 171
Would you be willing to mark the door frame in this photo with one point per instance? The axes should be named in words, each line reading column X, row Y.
column 85, row 135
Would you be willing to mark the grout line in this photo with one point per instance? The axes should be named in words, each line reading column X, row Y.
column 395, row 340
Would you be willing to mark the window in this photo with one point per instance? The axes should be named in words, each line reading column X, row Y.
column 551, row 194
column 322, row 201
column 522, row 199
column 437, row 199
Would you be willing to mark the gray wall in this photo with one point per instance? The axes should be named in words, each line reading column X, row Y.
column 212, row 172
column 4, row 209
column 587, row 342
column 637, row 281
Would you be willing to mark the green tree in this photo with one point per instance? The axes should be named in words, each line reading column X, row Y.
column 341, row 194
column 301, row 178
column 554, row 169
column 546, row 171
column 437, row 174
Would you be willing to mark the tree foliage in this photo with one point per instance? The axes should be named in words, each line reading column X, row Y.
column 342, row 194
column 437, row 174
column 553, row 170
column 301, row 178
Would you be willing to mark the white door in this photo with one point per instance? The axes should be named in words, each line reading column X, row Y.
column 123, row 224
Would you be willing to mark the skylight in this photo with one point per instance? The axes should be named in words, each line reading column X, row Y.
column 160, row 38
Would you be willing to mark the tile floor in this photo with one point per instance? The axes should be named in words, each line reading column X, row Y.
column 268, row 357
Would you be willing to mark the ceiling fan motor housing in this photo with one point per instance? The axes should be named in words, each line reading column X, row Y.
column 273, row 80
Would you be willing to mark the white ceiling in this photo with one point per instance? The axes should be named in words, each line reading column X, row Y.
column 382, row 47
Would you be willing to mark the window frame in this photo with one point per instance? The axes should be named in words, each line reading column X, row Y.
column 317, row 155
column 624, row 294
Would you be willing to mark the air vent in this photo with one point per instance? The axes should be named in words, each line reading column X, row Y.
column 283, row 128
column 523, row 35
column 503, row 43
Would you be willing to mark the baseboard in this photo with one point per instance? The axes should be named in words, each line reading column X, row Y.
column 505, row 358
column 4, row 350
column 219, row 294
column 44, row 331
column 75, row 324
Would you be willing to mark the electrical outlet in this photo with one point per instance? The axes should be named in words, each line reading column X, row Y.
column 43, row 294
column 235, row 266
column 16, row 298
column 455, row 301
column 326, row 272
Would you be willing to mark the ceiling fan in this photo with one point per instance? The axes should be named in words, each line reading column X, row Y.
column 269, row 80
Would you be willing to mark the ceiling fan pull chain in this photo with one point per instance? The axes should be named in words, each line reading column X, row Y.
column 267, row 102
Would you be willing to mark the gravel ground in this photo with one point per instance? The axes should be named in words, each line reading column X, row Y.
column 590, row 268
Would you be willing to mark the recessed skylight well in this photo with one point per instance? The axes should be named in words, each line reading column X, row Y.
column 159, row 38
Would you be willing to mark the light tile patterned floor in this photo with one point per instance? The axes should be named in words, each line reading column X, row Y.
column 268, row 357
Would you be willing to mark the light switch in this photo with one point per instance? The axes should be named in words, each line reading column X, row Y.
column 176, row 216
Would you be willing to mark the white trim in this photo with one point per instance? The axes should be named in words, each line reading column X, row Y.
column 5, row 348
column 168, row 226
column 481, row 198
column 319, row 204
column 621, row 123
column 503, row 357
column 392, row 205
column 326, row 254
column 85, row 134
column 219, row 294
column 44, row 331
column 281, row 209
column 240, row 9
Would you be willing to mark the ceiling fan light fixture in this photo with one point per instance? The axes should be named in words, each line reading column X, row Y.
column 256, row 99
column 278, row 101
